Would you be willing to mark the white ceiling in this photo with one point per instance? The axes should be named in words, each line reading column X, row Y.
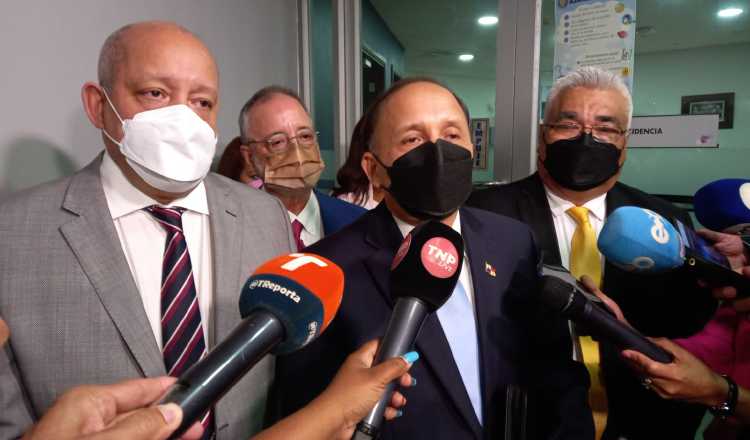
column 434, row 32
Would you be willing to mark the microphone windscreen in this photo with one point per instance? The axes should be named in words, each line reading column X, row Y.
column 640, row 240
column 555, row 293
column 723, row 204
column 427, row 264
column 302, row 290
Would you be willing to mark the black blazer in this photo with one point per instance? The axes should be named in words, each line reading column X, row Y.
column 668, row 305
column 514, row 349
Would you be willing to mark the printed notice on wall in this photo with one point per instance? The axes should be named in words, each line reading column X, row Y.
column 597, row 33
column 697, row 131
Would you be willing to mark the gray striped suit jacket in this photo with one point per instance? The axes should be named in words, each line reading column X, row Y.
column 75, row 314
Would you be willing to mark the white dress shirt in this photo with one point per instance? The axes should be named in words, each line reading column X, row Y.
column 312, row 222
column 460, row 330
column 565, row 225
column 143, row 240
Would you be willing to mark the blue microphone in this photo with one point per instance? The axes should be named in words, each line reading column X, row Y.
column 724, row 205
column 639, row 240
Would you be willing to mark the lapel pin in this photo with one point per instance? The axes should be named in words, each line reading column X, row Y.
column 489, row 269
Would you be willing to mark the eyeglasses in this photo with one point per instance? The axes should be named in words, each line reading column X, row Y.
column 570, row 130
column 279, row 143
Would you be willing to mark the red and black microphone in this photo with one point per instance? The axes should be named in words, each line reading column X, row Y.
column 285, row 304
column 424, row 273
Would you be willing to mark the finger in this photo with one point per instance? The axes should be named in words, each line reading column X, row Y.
column 591, row 286
column 137, row 393
column 4, row 332
column 392, row 413
column 195, row 432
column 366, row 353
column 407, row 380
column 398, row 400
column 390, row 370
column 725, row 292
column 742, row 305
column 642, row 363
column 712, row 236
column 154, row 423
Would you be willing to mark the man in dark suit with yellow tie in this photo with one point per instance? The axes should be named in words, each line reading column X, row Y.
column 581, row 152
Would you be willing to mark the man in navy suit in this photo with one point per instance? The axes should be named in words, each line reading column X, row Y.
column 489, row 344
column 281, row 146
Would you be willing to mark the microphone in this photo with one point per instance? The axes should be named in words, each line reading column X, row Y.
column 639, row 240
column 284, row 305
column 724, row 205
column 424, row 273
column 586, row 310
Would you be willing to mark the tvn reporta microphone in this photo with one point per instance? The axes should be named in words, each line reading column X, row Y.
column 562, row 293
column 284, row 305
column 424, row 273
column 640, row 240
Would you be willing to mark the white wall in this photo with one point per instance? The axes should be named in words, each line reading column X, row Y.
column 49, row 48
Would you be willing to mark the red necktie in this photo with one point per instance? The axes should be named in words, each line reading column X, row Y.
column 183, row 341
column 297, row 230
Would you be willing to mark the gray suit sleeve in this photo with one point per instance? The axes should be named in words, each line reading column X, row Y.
column 15, row 411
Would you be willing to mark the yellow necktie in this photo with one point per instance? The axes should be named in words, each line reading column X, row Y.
column 585, row 260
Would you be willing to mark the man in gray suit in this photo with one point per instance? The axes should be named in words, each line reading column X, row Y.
column 133, row 266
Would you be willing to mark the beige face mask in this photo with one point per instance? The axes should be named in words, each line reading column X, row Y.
column 300, row 167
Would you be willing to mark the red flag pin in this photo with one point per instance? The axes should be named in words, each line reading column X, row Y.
column 489, row 269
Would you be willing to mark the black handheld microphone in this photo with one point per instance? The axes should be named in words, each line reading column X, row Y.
column 572, row 302
column 424, row 273
column 285, row 304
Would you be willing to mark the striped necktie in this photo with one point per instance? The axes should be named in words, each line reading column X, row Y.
column 297, row 231
column 585, row 260
column 183, row 341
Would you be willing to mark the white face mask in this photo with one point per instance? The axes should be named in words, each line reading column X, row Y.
column 170, row 148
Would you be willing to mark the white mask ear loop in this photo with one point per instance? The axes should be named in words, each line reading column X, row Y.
column 106, row 95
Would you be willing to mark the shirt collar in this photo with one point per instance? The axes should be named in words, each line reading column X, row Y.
column 405, row 228
column 123, row 198
column 309, row 216
column 596, row 206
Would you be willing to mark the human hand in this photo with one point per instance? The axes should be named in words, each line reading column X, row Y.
column 357, row 387
column 732, row 247
column 104, row 412
column 592, row 288
column 685, row 378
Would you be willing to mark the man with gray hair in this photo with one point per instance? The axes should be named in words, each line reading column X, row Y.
column 132, row 267
column 581, row 151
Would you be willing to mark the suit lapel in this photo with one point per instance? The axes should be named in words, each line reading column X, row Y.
column 225, row 221
column 226, row 254
column 484, row 288
column 539, row 218
column 324, row 210
column 435, row 353
column 93, row 239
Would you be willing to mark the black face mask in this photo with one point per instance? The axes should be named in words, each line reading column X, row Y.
column 432, row 180
column 581, row 163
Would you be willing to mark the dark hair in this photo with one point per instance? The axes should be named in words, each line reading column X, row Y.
column 231, row 163
column 261, row 96
column 350, row 177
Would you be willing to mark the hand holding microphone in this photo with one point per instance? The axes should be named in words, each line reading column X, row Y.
column 424, row 273
column 640, row 240
column 561, row 293
column 286, row 304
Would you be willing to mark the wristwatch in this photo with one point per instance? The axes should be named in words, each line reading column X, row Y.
column 726, row 408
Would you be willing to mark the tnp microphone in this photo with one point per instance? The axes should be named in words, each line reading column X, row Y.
column 284, row 305
column 724, row 205
column 640, row 240
column 424, row 273
column 574, row 303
